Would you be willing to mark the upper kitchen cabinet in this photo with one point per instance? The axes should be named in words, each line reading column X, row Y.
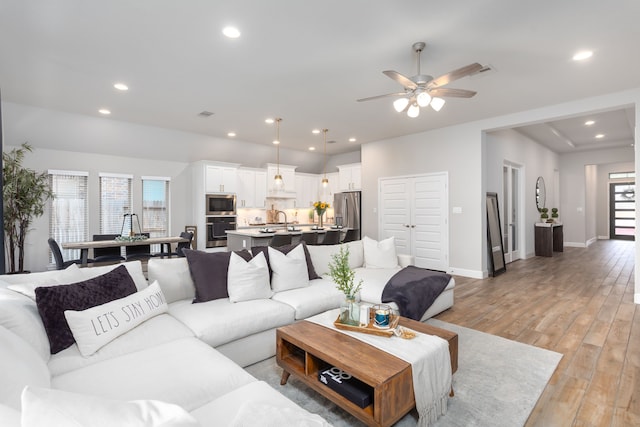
column 288, row 176
column 252, row 188
column 306, row 190
column 350, row 177
column 221, row 177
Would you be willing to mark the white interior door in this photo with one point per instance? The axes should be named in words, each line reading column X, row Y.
column 512, row 210
column 415, row 211
column 395, row 212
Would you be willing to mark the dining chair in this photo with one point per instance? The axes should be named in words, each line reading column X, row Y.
column 140, row 252
column 61, row 264
column 331, row 237
column 280, row 240
column 179, row 247
column 310, row 238
column 350, row 236
column 111, row 254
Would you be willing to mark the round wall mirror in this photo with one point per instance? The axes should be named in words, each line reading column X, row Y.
column 541, row 193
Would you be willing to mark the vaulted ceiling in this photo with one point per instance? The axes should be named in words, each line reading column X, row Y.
column 308, row 62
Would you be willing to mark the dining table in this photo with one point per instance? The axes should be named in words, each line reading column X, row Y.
column 90, row 244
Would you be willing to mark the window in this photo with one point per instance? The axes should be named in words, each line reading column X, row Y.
column 155, row 206
column 622, row 175
column 115, row 201
column 69, row 219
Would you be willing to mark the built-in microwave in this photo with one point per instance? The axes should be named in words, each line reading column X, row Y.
column 220, row 204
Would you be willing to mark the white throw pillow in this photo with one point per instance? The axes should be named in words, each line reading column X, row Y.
column 69, row 275
column 47, row 407
column 380, row 254
column 96, row 326
column 290, row 270
column 174, row 278
column 247, row 280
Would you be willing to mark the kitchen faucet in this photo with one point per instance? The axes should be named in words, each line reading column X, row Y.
column 285, row 218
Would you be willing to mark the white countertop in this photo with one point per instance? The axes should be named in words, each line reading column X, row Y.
column 278, row 229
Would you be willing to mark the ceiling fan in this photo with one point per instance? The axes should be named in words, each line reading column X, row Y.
column 422, row 90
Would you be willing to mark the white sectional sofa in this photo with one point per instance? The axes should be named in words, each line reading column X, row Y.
column 190, row 355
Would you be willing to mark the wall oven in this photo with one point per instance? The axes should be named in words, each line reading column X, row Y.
column 217, row 227
column 220, row 204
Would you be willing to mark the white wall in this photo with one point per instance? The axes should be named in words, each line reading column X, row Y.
column 579, row 213
column 536, row 160
column 602, row 208
column 37, row 250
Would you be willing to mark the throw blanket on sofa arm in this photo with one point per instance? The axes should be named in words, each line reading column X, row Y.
column 414, row 289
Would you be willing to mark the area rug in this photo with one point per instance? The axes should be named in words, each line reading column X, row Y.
column 498, row 383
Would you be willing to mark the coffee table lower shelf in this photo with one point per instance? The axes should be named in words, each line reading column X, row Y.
column 304, row 349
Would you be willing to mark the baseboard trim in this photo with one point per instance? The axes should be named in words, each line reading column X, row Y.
column 575, row 244
column 474, row 274
column 636, row 298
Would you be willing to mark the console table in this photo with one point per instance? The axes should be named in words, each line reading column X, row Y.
column 548, row 238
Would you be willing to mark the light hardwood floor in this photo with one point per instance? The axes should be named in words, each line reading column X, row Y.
column 578, row 303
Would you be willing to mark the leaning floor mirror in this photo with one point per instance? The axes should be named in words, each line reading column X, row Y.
column 496, row 262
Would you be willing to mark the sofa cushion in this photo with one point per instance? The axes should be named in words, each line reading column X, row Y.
column 43, row 406
column 209, row 272
column 321, row 256
column 248, row 280
column 220, row 321
column 173, row 276
column 230, row 409
column 155, row 331
column 185, row 372
column 9, row 416
column 289, row 270
column 70, row 274
column 53, row 301
column 96, row 326
column 321, row 295
column 373, row 282
column 20, row 366
column 19, row 314
column 285, row 250
column 134, row 268
column 380, row 254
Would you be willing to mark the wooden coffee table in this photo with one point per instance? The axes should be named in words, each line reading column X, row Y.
column 305, row 348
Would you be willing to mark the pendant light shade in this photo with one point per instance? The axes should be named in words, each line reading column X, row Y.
column 437, row 103
column 414, row 110
column 400, row 104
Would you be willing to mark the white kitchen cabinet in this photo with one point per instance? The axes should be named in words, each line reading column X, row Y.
column 288, row 176
column 350, row 177
column 326, row 193
column 306, row 190
column 220, row 179
column 252, row 188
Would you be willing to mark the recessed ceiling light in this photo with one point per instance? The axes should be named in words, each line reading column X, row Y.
column 589, row 122
column 276, row 142
column 121, row 86
column 315, row 131
column 352, row 140
column 312, row 148
column 600, row 135
column 269, row 121
column 231, row 134
column 582, row 55
column 104, row 111
column 231, row 32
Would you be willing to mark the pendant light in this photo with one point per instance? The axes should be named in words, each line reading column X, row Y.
column 325, row 180
column 277, row 179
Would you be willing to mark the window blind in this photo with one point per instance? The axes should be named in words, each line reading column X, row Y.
column 155, row 207
column 69, row 218
column 116, row 199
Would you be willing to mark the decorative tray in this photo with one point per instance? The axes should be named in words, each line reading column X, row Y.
column 392, row 330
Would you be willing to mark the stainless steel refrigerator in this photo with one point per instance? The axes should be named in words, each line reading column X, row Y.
column 346, row 210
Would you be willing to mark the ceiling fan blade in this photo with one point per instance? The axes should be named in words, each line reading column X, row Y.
column 403, row 80
column 445, row 79
column 450, row 92
column 382, row 96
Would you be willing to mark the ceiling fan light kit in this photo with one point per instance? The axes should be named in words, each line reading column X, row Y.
column 423, row 90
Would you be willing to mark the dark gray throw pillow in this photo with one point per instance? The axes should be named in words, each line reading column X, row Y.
column 285, row 250
column 209, row 272
column 52, row 301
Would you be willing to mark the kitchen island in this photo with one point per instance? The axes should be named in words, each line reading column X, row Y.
column 246, row 238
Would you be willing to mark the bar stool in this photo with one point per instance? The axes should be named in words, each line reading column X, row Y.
column 280, row 240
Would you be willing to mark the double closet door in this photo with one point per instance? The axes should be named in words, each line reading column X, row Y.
column 414, row 210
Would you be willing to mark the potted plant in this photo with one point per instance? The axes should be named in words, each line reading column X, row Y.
column 25, row 194
column 544, row 215
column 554, row 214
column 343, row 276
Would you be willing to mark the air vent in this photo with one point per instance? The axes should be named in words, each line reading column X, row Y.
column 331, row 142
column 205, row 114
